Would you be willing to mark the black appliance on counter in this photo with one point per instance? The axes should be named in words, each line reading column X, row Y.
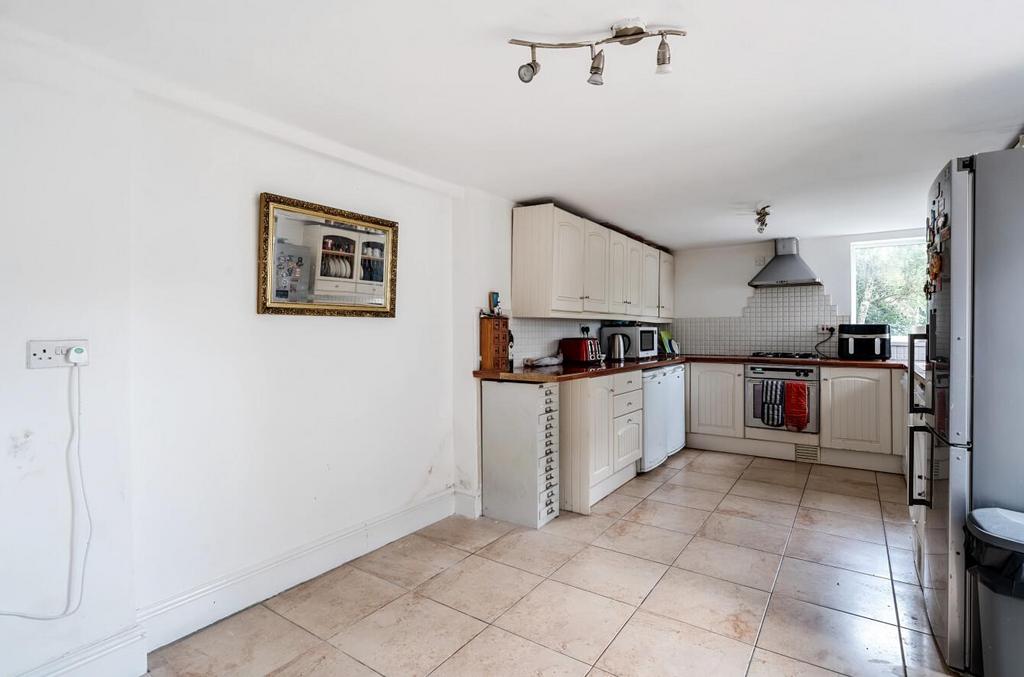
column 864, row 342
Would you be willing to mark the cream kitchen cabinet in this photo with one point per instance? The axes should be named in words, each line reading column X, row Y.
column 634, row 277
column 596, row 261
column 667, row 286
column 569, row 262
column 618, row 248
column 598, row 450
column 716, row 399
column 651, row 282
column 856, row 409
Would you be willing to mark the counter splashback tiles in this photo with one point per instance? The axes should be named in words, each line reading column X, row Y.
column 775, row 318
column 539, row 337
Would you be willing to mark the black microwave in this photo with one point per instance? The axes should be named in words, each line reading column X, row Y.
column 864, row 342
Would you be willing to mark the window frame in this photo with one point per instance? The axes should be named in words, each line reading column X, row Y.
column 870, row 244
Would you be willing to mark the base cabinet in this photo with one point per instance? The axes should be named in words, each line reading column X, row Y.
column 628, row 444
column 856, row 409
column 716, row 399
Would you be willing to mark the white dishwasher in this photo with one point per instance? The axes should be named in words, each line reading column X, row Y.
column 676, row 413
column 657, row 396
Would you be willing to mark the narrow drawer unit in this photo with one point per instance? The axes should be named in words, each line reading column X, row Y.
column 627, row 382
column 520, row 456
column 627, row 403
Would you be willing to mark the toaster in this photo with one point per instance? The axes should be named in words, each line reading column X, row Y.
column 581, row 349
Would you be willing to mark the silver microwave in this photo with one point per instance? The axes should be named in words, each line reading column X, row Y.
column 642, row 344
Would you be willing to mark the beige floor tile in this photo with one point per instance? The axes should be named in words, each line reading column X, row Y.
column 653, row 646
column 831, row 639
column 720, row 463
column 688, row 497
column 838, row 524
column 782, row 478
column 846, row 487
column 532, row 550
column 768, row 664
column 410, row 636
column 771, row 512
column 409, row 561
column 745, row 532
column 585, row 528
column 899, row 535
column 767, row 491
column 465, row 533
column 598, row 672
column 903, row 568
column 922, row 656
column 497, row 652
column 660, row 474
column 323, row 661
column 638, row 488
column 892, row 488
column 734, row 563
column 847, row 505
column 896, row 512
column 716, row 605
column 252, row 642
column 612, row 574
column 330, row 603
column 910, row 605
column 480, row 587
column 845, row 553
column 571, row 621
column 780, row 464
column 640, row 540
column 836, row 472
column 615, row 505
column 699, row 480
column 668, row 516
column 682, row 458
column 841, row 589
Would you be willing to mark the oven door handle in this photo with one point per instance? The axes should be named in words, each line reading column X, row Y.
column 918, row 499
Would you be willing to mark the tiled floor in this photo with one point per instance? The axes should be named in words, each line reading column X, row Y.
column 715, row 564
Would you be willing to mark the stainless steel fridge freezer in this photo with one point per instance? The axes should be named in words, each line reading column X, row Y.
column 965, row 449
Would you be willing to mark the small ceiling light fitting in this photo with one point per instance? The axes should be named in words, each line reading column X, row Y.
column 761, row 218
column 625, row 32
column 596, row 67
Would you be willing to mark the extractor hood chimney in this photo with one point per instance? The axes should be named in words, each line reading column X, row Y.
column 787, row 269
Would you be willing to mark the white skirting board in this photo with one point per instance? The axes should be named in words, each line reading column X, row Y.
column 123, row 654
column 468, row 504
column 183, row 614
column 739, row 445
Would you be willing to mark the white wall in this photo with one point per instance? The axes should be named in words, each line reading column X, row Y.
column 65, row 232
column 712, row 281
column 481, row 263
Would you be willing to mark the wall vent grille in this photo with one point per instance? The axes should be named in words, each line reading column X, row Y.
column 808, row 454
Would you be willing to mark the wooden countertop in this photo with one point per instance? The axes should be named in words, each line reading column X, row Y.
column 570, row 372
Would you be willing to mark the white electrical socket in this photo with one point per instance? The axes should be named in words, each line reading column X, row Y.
column 825, row 329
column 49, row 354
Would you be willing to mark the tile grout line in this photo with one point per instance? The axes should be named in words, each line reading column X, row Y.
column 325, row 641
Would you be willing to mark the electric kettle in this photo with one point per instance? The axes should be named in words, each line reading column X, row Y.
column 618, row 347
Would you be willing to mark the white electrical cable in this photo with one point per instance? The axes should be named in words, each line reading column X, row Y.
column 76, row 490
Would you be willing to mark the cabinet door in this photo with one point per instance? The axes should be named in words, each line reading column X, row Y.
column 667, row 273
column 716, row 399
column 628, row 444
column 595, row 268
column 600, row 401
column 856, row 409
column 634, row 277
column 567, row 277
column 617, row 291
column 651, row 282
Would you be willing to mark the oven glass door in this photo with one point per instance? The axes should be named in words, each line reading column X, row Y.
column 754, row 400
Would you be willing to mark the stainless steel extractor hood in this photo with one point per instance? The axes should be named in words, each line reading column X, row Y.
column 787, row 269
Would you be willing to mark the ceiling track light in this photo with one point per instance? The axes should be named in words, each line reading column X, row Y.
column 626, row 32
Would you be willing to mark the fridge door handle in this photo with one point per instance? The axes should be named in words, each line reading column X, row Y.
column 914, row 407
column 912, row 498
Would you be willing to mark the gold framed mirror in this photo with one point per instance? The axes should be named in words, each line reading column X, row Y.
column 318, row 260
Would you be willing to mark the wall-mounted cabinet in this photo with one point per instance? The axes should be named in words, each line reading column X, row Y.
column 667, row 291
column 566, row 266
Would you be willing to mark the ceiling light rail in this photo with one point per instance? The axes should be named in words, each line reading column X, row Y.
column 626, row 32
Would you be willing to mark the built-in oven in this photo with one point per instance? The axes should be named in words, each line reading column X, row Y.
column 763, row 382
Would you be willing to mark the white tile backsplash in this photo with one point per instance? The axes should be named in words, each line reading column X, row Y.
column 539, row 337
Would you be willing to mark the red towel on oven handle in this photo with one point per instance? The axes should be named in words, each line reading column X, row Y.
column 798, row 412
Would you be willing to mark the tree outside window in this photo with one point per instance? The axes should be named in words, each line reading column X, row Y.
column 888, row 284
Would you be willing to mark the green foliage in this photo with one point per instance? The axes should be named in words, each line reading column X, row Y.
column 889, row 282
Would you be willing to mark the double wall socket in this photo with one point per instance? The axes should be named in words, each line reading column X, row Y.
column 49, row 354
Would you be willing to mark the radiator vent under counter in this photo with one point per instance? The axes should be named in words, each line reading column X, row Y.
column 808, row 454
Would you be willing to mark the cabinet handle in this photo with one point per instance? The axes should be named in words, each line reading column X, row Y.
column 629, row 404
column 551, row 494
column 548, row 426
column 550, row 510
column 549, row 501
column 549, row 400
column 550, row 476
column 582, row 297
column 549, row 468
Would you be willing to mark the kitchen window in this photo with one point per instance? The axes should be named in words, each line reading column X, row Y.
column 888, row 284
